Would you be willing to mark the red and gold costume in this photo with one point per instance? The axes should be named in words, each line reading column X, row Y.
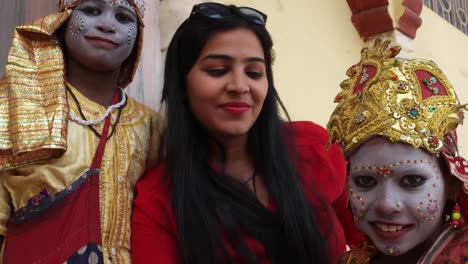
column 409, row 101
column 45, row 156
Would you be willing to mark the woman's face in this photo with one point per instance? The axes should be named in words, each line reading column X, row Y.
column 397, row 194
column 100, row 34
column 227, row 85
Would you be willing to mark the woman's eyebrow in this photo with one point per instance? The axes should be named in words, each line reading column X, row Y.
column 229, row 58
column 218, row 57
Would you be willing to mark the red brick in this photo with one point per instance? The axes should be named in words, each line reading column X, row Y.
column 372, row 21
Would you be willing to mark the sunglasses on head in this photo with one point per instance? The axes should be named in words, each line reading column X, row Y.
column 220, row 11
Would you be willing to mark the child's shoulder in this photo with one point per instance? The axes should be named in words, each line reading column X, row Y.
column 135, row 111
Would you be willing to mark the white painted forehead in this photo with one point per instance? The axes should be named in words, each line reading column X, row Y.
column 380, row 152
column 139, row 3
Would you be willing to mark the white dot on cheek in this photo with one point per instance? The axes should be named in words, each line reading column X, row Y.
column 76, row 24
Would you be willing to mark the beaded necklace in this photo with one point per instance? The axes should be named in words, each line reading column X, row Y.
column 101, row 118
column 90, row 123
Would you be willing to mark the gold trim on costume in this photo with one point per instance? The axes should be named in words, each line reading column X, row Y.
column 33, row 101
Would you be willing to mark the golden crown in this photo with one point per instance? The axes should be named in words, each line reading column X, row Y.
column 408, row 101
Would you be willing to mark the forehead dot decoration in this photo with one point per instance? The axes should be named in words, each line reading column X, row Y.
column 120, row 2
column 133, row 4
column 141, row 6
column 386, row 170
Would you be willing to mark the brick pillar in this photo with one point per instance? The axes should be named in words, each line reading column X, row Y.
column 396, row 20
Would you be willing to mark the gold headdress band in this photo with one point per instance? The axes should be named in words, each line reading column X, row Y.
column 33, row 101
column 408, row 101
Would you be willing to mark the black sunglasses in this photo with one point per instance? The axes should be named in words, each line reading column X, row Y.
column 220, row 11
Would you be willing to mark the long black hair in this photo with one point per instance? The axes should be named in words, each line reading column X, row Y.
column 211, row 209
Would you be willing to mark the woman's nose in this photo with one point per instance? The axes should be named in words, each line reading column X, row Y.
column 238, row 83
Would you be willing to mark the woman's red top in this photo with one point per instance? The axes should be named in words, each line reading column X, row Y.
column 154, row 228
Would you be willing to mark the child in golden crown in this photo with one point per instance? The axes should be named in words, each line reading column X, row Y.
column 407, row 184
column 72, row 144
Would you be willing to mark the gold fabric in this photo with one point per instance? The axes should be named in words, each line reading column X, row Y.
column 386, row 96
column 361, row 254
column 129, row 153
column 33, row 105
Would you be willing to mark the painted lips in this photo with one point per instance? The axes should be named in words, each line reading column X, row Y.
column 236, row 107
column 390, row 231
column 102, row 42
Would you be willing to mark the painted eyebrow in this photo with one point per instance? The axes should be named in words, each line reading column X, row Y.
column 229, row 58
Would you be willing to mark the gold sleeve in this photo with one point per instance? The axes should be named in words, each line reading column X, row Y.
column 5, row 204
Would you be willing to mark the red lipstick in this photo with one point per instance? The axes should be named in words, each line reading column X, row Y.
column 236, row 107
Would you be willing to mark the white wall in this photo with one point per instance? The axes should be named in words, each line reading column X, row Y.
column 315, row 43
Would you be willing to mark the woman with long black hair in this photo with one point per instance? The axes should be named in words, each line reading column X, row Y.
column 238, row 184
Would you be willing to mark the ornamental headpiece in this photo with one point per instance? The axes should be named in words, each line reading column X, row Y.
column 408, row 101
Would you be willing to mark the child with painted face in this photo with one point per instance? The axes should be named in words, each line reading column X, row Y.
column 238, row 184
column 396, row 122
column 73, row 144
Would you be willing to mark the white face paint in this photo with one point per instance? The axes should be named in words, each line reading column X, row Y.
column 101, row 33
column 397, row 194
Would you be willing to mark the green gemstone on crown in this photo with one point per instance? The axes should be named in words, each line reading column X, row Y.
column 414, row 113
